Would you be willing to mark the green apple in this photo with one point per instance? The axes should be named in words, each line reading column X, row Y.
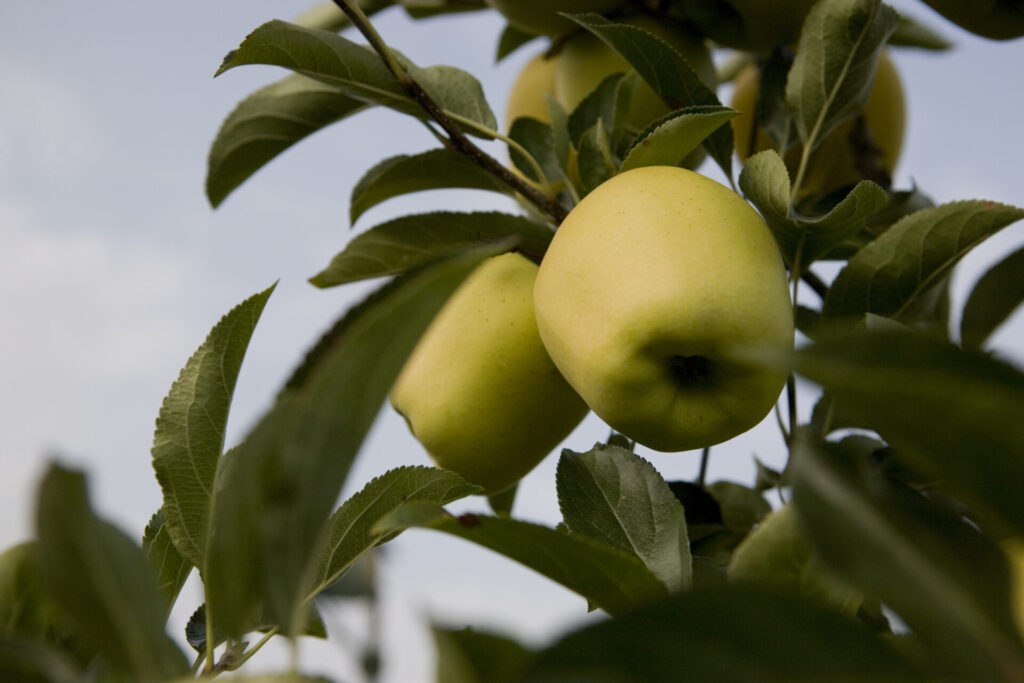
column 479, row 391
column 648, row 288
column 779, row 551
column 586, row 60
column 540, row 17
column 834, row 163
column 528, row 94
column 1014, row 549
column 750, row 25
column 995, row 19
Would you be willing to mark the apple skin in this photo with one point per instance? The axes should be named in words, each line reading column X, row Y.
column 479, row 391
column 648, row 286
column 540, row 17
column 527, row 96
column 833, row 163
column 586, row 60
column 750, row 25
column 993, row 19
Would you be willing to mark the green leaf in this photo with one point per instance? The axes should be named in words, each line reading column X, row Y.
column 893, row 273
column 190, row 428
column 538, row 140
column 835, row 64
column 725, row 634
column 268, row 122
column 29, row 661
column 666, row 71
column 172, row 569
column 437, row 169
column 994, row 298
column 277, row 488
column 615, row 496
column 195, row 629
column 357, row 71
column 607, row 577
column 935, row 569
column 608, row 105
column 821, row 234
column 468, row 656
column 667, row 142
column 423, row 9
column 265, row 678
column 952, row 414
column 350, row 535
column 597, row 162
column 412, row 241
column 103, row 582
column 742, row 507
column 765, row 181
column 327, row 16
column 912, row 33
column 511, row 40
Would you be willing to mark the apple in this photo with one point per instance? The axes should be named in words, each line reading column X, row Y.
column 649, row 286
column 834, row 163
column 750, row 25
column 527, row 96
column 540, row 17
column 479, row 391
column 995, row 19
column 779, row 551
column 1014, row 549
column 586, row 60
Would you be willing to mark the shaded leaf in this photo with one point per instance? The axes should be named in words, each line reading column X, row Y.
column 172, row 569
column 277, row 489
column 412, row 241
column 351, row 536
column 357, row 71
column 608, row 105
column 190, row 428
column 726, row 634
column 597, row 162
column 434, row 170
column 103, row 582
column 607, row 577
column 423, row 9
column 936, row 570
column 617, row 497
column 511, row 39
column 327, row 16
column 538, row 140
column 820, row 235
column 667, row 141
column 29, row 661
column 895, row 271
column 912, row 33
column 835, row 64
column 994, row 298
column 195, row 629
column 469, row 656
column 268, row 122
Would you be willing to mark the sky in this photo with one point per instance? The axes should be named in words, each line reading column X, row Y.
column 113, row 267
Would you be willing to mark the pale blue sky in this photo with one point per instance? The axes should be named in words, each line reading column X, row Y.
column 114, row 267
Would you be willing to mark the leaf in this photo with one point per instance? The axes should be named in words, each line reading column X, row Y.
column 597, row 162
column 103, row 582
column 277, row 488
column 437, row 169
column 912, row 33
column 511, row 40
column 933, row 568
column 190, row 428
column 468, row 656
column 29, row 661
column 412, row 241
column 666, row 71
column 667, row 142
column 538, row 140
column 607, row 577
column 350, row 535
column 994, row 298
column 172, row 569
column 327, row 16
column 423, row 9
column 952, row 414
column 264, row 678
column 765, row 181
column 893, row 273
column 835, row 63
column 617, row 497
column 268, row 122
column 821, row 234
column 725, row 634
column 608, row 105
column 358, row 72
column 195, row 629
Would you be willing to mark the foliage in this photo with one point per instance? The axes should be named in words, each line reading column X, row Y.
column 906, row 477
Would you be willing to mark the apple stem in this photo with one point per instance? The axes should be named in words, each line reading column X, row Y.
column 791, row 403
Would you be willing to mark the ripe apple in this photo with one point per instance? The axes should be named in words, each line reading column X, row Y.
column 527, row 96
column 647, row 288
column 540, row 17
column 586, row 60
column 750, row 25
column 834, row 163
column 479, row 391
column 780, row 551
column 995, row 19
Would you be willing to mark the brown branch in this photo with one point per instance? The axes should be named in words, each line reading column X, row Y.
column 815, row 283
column 456, row 138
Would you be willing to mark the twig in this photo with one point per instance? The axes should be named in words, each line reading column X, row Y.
column 456, row 138
column 815, row 283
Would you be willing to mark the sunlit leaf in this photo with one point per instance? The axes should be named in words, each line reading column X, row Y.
column 667, row 141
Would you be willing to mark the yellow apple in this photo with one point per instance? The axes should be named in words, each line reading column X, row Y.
column 586, row 60
column 779, row 551
column 540, row 17
column 995, row 19
column 527, row 96
column 647, row 288
column 479, row 391
column 750, row 25
column 833, row 164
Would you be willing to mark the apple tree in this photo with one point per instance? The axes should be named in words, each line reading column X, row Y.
column 680, row 310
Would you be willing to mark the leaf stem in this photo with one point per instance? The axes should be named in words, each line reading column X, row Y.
column 210, row 645
column 256, row 648
column 456, row 138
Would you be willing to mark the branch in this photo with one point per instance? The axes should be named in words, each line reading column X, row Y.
column 456, row 138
